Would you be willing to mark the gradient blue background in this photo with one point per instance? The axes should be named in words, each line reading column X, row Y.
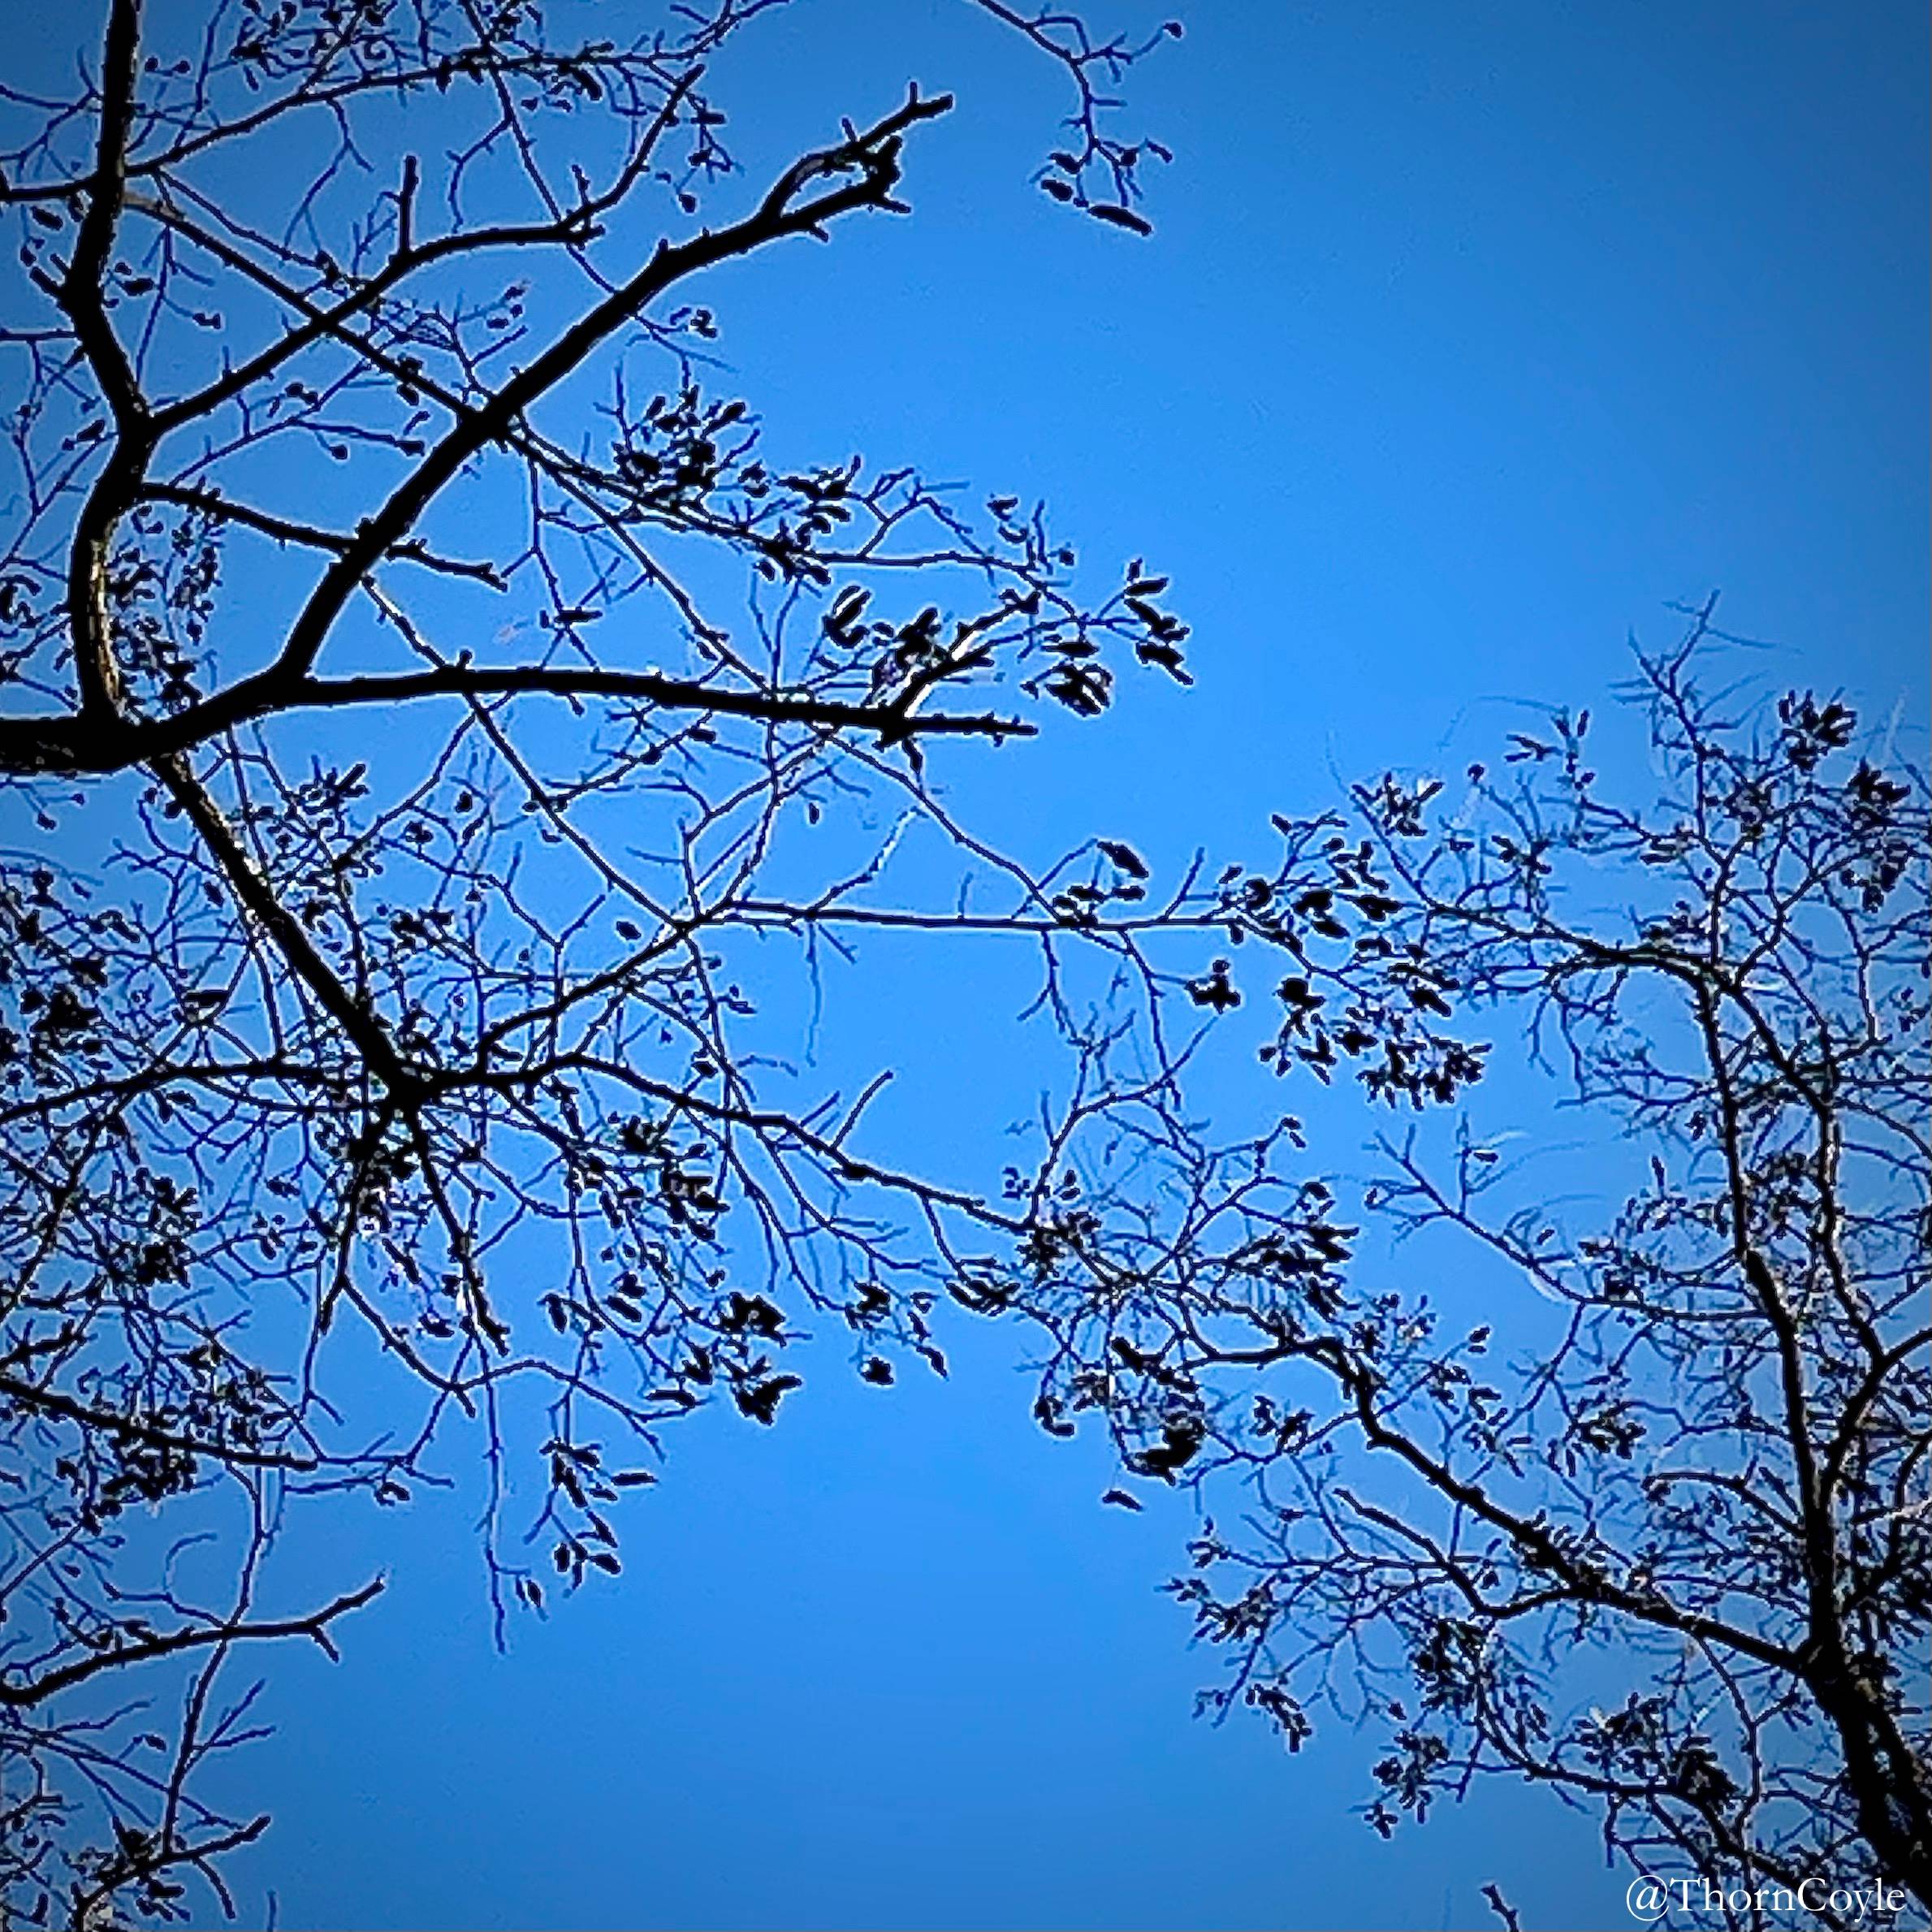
column 1472, row 334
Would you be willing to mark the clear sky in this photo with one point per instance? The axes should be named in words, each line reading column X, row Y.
column 1471, row 336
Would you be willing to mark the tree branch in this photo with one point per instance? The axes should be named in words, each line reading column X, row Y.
column 315, row 1626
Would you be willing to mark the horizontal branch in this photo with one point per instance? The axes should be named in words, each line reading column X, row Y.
column 68, row 744
column 209, row 502
column 50, row 1401
column 151, row 1079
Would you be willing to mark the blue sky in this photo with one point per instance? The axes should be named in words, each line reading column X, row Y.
column 1470, row 337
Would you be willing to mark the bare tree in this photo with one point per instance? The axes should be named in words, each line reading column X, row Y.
column 356, row 972
column 1654, row 1535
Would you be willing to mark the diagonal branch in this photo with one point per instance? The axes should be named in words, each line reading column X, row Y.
column 315, row 1626
column 258, row 898
column 872, row 157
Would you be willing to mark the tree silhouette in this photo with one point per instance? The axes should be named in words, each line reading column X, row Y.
column 447, row 748
column 363, row 977
column 1654, row 1535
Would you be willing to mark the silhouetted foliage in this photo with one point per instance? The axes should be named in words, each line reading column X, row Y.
column 1653, row 1535
column 447, row 746
column 426, row 842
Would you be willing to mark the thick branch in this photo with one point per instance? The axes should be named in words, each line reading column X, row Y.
column 872, row 155
column 72, row 745
column 81, row 295
column 98, row 740
column 288, row 933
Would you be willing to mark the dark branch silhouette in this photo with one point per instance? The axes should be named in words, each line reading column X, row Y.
column 424, row 695
column 453, row 755
column 1654, row 1534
